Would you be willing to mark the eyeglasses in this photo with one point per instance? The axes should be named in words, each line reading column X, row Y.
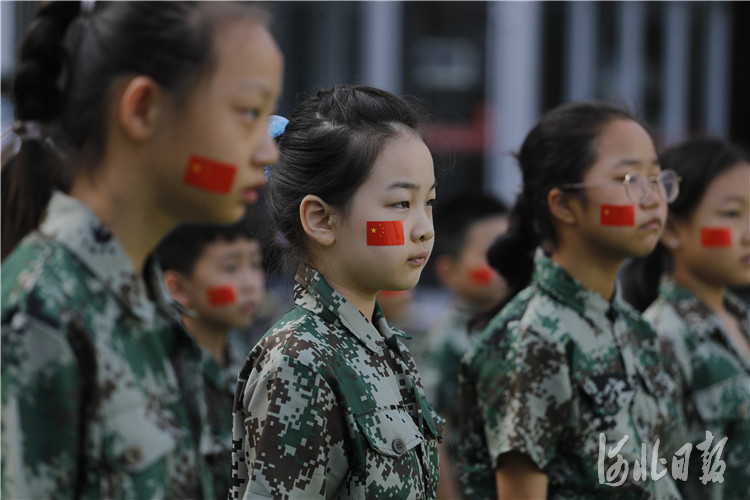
column 637, row 187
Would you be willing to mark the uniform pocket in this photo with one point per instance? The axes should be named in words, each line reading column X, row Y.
column 610, row 393
column 725, row 401
column 390, row 432
column 134, row 442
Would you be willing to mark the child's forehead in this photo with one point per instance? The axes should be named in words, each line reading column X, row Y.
column 238, row 244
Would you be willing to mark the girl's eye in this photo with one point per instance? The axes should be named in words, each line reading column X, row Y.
column 430, row 203
column 401, row 204
column 231, row 268
column 735, row 214
column 251, row 114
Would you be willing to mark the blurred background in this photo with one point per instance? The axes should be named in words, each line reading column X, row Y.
column 484, row 71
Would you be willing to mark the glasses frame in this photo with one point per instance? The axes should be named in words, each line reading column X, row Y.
column 631, row 179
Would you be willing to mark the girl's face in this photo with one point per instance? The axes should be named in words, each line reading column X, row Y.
column 615, row 220
column 217, row 147
column 713, row 245
column 400, row 190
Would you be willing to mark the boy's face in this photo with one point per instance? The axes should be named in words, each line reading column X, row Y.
column 469, row 274
column 227, row 284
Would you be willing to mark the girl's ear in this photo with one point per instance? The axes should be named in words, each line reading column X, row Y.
column 138, row 107
column 317, row 218
column 560, row 207
column 672, row 235
column 176, row 287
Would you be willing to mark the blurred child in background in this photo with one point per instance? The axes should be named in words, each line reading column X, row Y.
column 215, row 272
column 465, row 225
column 705, row 328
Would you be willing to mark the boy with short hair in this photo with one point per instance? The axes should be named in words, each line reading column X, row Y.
column 216, row 274
column 465, row 227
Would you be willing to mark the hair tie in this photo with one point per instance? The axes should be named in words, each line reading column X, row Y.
column 276, row 125
column 27, row 130
column 87, row 7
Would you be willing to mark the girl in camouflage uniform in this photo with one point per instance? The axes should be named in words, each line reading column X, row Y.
column 147, row 104
column 566, row 369
column 329, row 403
column 704, row 326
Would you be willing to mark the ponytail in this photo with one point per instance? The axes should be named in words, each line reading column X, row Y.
column 639, row 277
column 29, row 178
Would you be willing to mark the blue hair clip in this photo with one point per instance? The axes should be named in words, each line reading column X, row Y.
column 277, row 125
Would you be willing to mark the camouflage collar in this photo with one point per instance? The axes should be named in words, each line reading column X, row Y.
column 702, row 320
column 78, row 229
column 316, row 295
column 555, row 281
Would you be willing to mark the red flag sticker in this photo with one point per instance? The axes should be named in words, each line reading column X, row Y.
column 618, row 215
column 712, row 237
column 481, row 274
column 209, row 175
column 221, row 295
column 385, row 233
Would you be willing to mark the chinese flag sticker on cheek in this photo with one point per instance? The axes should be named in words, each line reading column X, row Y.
column 481, row 274
column 221, row 295
column 618, row 215
column 712, row 237
column 209, row 175
column 385, row 233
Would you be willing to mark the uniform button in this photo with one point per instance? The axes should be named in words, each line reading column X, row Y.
column 398, row 446
column 742, row 410
column 133, row 456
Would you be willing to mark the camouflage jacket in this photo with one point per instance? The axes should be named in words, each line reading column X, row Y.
column 556, row 369
column 715, row 381
column 330, row 405
column 439, row 357
column 220, row 382
column 101, row 388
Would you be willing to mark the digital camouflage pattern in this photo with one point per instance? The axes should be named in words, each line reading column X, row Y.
column 220, row 383
column 330, row 405
column 558, row 366
column 101, row 388
column 714, row 378
column 438, row 356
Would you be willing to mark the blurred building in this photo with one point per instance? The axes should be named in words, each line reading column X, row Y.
column 485, row 71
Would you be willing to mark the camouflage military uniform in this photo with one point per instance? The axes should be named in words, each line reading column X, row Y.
column 99, row 384
column 220, row 384
column 439, row 356
column 558, row 366
column 715, row 383
column 329, row 405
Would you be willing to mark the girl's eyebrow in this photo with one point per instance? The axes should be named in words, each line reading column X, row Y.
column 409, row 185
column 631, row 162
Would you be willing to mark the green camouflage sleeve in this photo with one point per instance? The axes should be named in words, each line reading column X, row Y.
column 524, row 395
column 41, row 411
column 294, row 431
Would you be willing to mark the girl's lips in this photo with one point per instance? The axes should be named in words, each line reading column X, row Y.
column 250, row 195
column 419, row 259
column 654, row 223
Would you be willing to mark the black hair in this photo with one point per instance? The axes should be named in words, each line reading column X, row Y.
column 328, row 149
column 454, row 216
column 184, row 245
column 70, row 62
column 698, row 161
column 559, row 150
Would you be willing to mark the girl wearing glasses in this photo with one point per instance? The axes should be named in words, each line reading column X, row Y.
column 705, row 248
column 564, row 390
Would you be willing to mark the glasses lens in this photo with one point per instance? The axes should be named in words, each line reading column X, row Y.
column 671, row 183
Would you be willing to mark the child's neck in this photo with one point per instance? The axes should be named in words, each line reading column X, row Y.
column 362, row 299
column 709, row 294
column 212, row 338
column 593, row 272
